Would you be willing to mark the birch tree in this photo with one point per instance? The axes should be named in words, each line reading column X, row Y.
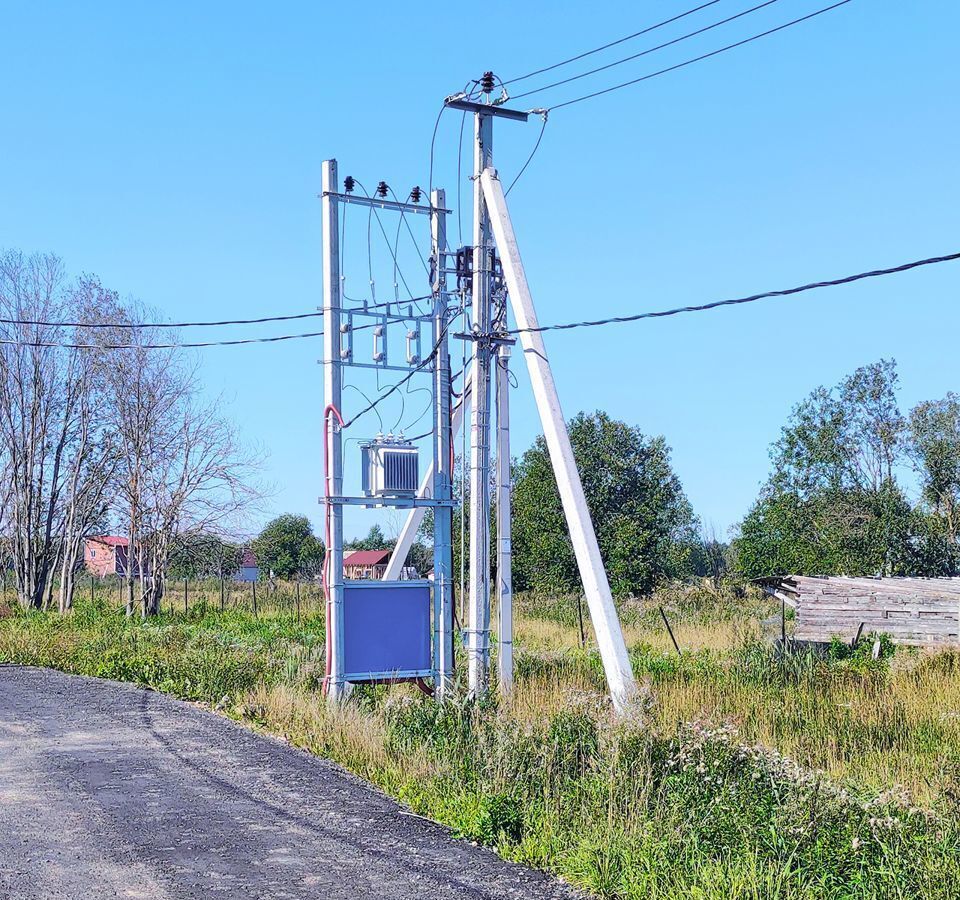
column 41, row 385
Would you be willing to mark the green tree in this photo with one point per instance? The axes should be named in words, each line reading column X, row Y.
column 935, row 449
column 832, row 504
column 288, row 547
column 645, row 525
column 375, row 540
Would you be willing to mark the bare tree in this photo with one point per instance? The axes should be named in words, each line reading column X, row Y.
column 181, row 467
column 94, row 459
column 40, row 390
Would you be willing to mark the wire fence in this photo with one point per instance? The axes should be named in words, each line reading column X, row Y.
column 299, row 599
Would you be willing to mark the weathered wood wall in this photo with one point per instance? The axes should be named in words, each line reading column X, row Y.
column 919, row 611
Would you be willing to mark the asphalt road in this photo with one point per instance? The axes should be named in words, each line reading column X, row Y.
column 108, row 790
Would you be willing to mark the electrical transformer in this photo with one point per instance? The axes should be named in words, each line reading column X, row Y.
column 390, row 467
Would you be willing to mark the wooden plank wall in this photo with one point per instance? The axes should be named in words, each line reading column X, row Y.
column 918, row 611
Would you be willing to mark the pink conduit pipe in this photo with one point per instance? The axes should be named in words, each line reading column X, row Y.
column 326, row 534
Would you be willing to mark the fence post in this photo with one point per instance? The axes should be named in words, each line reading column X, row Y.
column 186, row 600
column 663, row 615
column 583, row 634
column 298, row 601
column 91, row 589
column 254, row 585
column 222, row 604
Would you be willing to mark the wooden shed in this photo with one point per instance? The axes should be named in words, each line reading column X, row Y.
column 918, row 611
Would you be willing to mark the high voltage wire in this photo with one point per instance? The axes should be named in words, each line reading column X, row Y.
column 847, row 279
column 700, row 58
column 659, row 314
column 677, row 40
column 622, row 40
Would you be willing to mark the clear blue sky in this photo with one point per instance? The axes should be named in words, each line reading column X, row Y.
column 174, row 149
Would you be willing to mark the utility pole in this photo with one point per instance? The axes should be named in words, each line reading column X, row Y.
column 613, row 650
column 478, row 632
column 504, row 552
column 443, row 457
column 332, row 388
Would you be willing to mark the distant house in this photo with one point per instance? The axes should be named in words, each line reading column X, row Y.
column 106, row 555
column 249, row 570
column 365, row 564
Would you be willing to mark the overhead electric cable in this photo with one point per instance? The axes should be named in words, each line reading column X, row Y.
column 697, row 59
column 847, row 279
column 396, row 387
column 622, row 40
column 134, row 325
column 533, row 153
column 626, row 59
column 386, row 239
column 170, row 346
column 209, row 324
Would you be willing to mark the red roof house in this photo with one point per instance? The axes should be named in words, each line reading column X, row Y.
column 362, row 564
column 106, row 555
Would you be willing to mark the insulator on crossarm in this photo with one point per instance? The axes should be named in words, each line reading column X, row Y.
column 487, row 83
column 415, row 194
column 382, row 189
column 348, row 184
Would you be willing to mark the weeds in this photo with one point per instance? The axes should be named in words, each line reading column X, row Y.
column 743, row 770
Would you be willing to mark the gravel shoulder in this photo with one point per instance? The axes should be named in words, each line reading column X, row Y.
column 109, row 790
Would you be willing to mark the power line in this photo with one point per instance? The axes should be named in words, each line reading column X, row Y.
column 396, row 387
column 533, row 153
column 171, row 346
column 622, row 40
column 49, row 323
column 677, row 40
column 696, row 59
column 848, row 279
column 135, row 325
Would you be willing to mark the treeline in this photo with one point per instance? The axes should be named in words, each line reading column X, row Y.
column 97, row 428
column 836, row 501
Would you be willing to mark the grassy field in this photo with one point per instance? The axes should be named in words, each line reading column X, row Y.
column 740, row 773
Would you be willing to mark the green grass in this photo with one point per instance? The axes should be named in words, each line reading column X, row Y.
column 709, row 789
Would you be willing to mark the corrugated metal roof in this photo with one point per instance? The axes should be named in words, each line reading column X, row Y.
column 366, row 558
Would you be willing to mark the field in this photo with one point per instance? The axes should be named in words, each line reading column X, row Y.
column 741, row 772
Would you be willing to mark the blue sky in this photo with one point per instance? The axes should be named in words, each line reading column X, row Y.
column 174, row 149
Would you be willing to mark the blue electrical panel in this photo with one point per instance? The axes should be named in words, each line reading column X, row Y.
column 386, row 630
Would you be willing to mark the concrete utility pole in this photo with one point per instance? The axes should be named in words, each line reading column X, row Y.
column 478, row 632
column 332, row 386
column 606, row 623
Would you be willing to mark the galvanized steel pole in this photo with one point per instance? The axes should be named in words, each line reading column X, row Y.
column 442, row 460
column 504, row 551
